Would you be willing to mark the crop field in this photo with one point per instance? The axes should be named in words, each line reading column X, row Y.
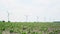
column 29, row 28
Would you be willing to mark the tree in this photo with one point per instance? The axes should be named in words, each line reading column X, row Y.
column 3, row 21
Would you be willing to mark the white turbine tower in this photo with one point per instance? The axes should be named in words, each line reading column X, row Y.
column 44, row 19
column 37, row 18
column 8, row 15
column 26, row 18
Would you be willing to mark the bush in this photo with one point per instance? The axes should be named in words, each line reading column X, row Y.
column 3, row 29
column 57, row 31
column 11, row 31
column 51, row 33
column 23, row 32
column 3, row 21
column 33, row 32
column 8, row 21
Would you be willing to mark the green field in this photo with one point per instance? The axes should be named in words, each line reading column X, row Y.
column 29, row 28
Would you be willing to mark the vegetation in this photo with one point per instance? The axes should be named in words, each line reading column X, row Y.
column 30, row 28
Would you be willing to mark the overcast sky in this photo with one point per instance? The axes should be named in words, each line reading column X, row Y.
column 46, row 10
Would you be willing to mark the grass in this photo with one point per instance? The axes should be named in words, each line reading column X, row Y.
column 30, row 27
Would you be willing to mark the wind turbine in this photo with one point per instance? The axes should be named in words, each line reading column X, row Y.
column 8, row 16
column 26, row 18
column 44, row 19
column 37, row 18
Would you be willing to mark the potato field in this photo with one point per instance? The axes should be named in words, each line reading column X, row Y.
column 29, row 28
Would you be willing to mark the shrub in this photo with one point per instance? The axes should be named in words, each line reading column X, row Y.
column 11, row 31
column 3, row 29
column 23, row 32
column 8, row 21
column 33, row 32
column 3, row 21
column 51, row 33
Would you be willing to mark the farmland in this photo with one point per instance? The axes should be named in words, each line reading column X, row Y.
column 29, row 28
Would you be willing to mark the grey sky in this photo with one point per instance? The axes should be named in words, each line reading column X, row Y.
column 47, row 10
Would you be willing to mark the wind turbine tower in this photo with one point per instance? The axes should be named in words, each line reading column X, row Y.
column 37, row 18
column 8, row 15
column 26, row 18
